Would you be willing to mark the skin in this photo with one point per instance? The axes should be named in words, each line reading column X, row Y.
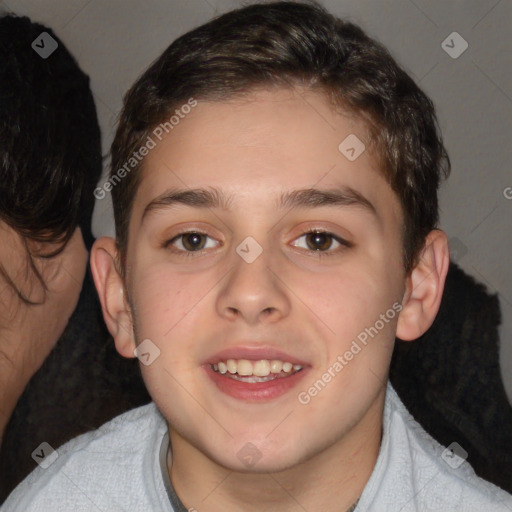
column 317, row 456
column 28, row 333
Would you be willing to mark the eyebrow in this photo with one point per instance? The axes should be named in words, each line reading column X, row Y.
column 303, row 198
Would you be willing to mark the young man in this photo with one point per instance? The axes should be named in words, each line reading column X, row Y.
column 274, row 178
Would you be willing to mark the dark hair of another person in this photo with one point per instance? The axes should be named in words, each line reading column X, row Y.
column 286, row 44
column 50, row 143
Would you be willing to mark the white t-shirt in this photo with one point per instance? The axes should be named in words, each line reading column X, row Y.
column 117, row 468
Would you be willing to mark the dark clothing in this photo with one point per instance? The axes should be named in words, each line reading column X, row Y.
column 450, row 379
column 82, row 384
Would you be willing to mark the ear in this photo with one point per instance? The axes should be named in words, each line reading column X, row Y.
column 424, row 288
column 111, row 291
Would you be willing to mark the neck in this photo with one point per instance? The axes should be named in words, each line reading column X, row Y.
column 331, row 481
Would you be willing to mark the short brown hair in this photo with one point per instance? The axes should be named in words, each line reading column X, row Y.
column 294, row 44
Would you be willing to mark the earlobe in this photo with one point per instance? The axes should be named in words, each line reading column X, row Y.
column 425, row 287
column 110, row 286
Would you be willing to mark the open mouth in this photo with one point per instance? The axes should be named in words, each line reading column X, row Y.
column 255, row 379
column 263, row 370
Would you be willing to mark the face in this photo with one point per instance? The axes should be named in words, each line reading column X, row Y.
column 256, row 245
column 39, row 325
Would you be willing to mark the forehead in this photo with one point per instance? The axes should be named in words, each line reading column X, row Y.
column 258, row 147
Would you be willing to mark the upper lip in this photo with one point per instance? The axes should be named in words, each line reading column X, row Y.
column 254, row 353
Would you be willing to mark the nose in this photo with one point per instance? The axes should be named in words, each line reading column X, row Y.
column 253, row 292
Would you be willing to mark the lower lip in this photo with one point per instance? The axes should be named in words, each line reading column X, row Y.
column 257, row 391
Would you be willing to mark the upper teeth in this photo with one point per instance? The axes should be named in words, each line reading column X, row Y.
column 260, row 368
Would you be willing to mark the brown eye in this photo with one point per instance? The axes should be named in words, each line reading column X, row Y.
column 193, row 241
column 190, row 242
column 318, row 241
column 321, row 243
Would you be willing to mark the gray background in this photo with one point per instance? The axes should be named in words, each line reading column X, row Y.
column 115, row 40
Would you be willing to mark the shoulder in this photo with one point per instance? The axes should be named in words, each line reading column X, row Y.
column 118, row 455
column 415, row 473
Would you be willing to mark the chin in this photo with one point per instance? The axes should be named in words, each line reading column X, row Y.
column 252, row 458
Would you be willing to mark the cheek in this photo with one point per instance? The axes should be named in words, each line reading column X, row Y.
column 349, row 295
column 161, row 299
column 173, row 310
column 346, row 306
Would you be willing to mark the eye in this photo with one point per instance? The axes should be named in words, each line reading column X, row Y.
column 321, row 241
column 191, row 241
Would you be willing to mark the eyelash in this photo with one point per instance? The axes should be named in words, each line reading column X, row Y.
column 321, row 254
column 344, row 244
